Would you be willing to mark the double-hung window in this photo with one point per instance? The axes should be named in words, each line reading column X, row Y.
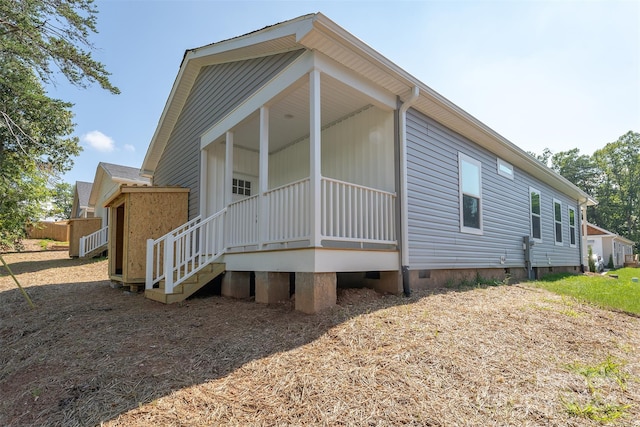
column 557, row 219
column 536, row 219
column 470, row 182
column 572, row 227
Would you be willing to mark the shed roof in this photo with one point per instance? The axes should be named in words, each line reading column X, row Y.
column 318, row 33
column 124, row 189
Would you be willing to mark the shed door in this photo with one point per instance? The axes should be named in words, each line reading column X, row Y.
column 119, row 255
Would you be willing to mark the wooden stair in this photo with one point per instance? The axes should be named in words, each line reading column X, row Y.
column 188, row 287
column 96, row 252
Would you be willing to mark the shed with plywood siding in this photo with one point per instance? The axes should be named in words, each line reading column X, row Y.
column 138, row 214
column 79, row 227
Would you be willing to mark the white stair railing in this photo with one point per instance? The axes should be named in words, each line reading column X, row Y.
column 93, row 241
column 183, row 252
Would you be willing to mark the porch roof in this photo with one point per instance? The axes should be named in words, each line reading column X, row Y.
column 318, row 33
column 595, row 231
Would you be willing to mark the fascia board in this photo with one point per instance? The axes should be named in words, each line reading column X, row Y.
column 183, row 82
column 130, row 181
column 624, row 240
column 97, row 183
column 269, row 91
column 297, row 28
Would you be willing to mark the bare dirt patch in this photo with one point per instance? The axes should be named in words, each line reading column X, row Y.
column 90, row 353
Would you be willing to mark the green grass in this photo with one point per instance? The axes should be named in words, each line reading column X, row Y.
column 618, row 294
column 610, row 368
column 596, row 408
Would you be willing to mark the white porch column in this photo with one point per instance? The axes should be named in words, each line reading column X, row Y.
column 263, row 219
column 583, row 235
column 228, row 169
column 315, row 171
column 204, row 182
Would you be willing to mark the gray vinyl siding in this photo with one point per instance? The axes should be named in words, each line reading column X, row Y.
column 435, row 240
column 218, row 89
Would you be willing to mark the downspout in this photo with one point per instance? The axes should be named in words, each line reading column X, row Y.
column 582, row 232
column 404, row 202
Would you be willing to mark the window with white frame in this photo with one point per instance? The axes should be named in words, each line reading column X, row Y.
column 241, row 187
column 470, row 181
column 557, row 219
column 572, row 227
column 536, row 218
column 505, row 169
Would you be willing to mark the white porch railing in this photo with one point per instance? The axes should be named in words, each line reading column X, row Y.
column 349, row 212
column 183, row 252
column 93, row 241
column 242, row 223
column 288, row 213
column 353, row 212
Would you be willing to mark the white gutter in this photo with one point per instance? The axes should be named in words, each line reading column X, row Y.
column 404, row 203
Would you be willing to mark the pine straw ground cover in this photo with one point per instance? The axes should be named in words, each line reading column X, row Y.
column 508, row 355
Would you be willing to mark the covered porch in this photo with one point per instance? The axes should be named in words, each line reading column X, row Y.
column 311, row 167
column 300, row 178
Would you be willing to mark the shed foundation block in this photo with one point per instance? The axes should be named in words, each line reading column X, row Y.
column 236, row 284
column 272, row 287
column 315, row 291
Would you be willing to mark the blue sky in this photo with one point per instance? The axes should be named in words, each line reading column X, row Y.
column 557, row 74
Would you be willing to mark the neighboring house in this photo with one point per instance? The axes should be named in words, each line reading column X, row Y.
column 89, row 238
column 605, row 243
column 80, row 207
column 107, row 180
column 311, row 159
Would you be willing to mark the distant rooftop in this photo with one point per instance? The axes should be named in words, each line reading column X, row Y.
column 127, row 173
column 83, row 189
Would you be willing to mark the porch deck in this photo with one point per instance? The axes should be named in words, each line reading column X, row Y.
column 356, row 224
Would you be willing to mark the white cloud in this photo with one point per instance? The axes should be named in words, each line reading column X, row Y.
column 130, row 148
column 99, row 141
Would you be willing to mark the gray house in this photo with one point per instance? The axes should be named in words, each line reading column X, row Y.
column 312, row 160
column 80, row 206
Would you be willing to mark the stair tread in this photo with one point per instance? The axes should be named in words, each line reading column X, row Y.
column 192, row 285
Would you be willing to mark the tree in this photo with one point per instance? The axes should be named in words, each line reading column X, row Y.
column 542, row 158
column 39, row 39
column 612, row 176
column 42, row 33
column 62, row 199
column 618, row 194
column 578, row 168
